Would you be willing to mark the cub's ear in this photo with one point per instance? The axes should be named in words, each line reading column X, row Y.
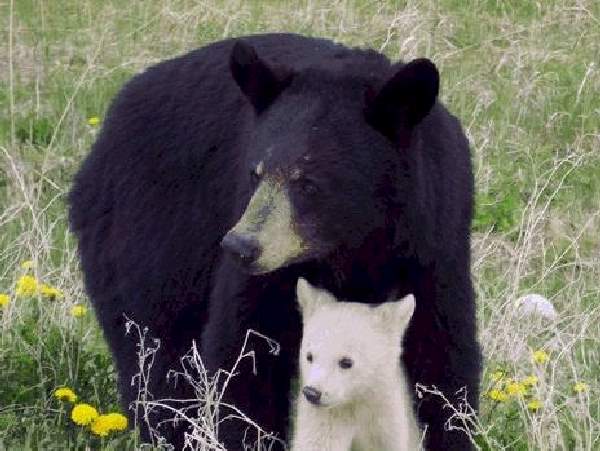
column 257, row 80
column 404, row 100
column 310, row 298
column 395, row 316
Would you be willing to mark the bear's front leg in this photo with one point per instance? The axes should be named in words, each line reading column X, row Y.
column 441, row 350
column 252, row 389
column 260, row 386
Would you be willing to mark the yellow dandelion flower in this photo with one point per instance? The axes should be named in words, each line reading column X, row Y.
column 27, row 265
column 65, row 394
column 105, row 424
column 93, row 121
column 540, row 356
column 26, row 286
column 50, row 292
column 497, row 376
column 530, row 381
column 534, row 404
column 118, row 422
column 515, row 389
column 83, row 414
column 78, row 310
column 4, row 299
column 101, row 426
column 580, row 387
column 497, row 395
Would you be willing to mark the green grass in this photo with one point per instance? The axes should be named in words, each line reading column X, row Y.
column 523, row 77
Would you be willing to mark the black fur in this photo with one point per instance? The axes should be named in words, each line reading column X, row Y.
column 389, row 208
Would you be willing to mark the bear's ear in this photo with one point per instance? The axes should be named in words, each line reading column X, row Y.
column 395, row 316
column 257, row 80
column 404, row 100
column 311, row 298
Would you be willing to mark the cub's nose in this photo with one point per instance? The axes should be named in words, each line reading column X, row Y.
column 312, row 395
column 243, row 247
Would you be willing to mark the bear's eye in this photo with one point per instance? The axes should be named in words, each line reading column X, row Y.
column 309, row 357
column 309, row 188
column 345, row 363
column 256, row 173
column 254, row 177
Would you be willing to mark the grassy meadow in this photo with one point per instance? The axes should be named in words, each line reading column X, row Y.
column 522, row 75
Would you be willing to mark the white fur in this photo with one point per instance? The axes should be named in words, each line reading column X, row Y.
column 365, row 407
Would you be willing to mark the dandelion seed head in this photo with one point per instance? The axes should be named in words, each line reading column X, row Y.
column 536, row 305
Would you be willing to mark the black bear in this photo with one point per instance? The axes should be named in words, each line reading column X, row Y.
column 222, row 176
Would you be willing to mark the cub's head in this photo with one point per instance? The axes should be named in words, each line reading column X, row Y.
column 348, row 349
column 322, row 166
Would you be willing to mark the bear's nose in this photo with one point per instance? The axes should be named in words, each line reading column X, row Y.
column 242, row 246
column 312, row 394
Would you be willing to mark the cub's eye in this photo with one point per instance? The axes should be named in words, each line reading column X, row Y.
column 345, row 363
column 309, row 357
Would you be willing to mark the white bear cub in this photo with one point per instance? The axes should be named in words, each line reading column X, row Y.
column 353, row 391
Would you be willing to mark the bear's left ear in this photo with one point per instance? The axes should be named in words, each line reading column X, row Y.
column 311, row 298
column 404, row 100
column 257, row 80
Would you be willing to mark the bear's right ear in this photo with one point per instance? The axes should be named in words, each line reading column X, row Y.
column 404, row 100
column 260, row 83
column 311, row 298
